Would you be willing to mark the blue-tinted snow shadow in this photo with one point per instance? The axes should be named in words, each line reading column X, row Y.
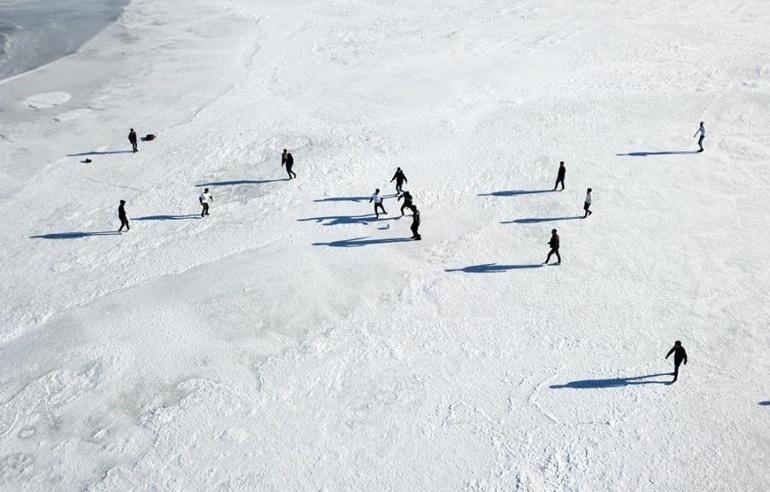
column 765, row 403
column 492, row 268
column 363, row 241
column 100, row 152
column 75, row 235
column 644, row 153
column 168, row 217
column 356, row 199
column 331, row 220
column 613, row 383
column 537, row 220
column 241, row 182
column 515, row 193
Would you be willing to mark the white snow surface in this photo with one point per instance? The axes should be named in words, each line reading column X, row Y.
column 291, row 342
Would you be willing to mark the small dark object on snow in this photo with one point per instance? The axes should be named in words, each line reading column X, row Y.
column 148, row 138
column 86, row 161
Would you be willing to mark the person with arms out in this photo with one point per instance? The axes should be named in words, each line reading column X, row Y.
column 377, row 199
column 400, row 179
column 122, row 216
column 415, row 227
column 554, row 244
column 132, row 140
column 205, row 198
column 679, row 356
column 702, row 132
column 407, row 201
column 587, row 204
column 288, row 160
column 560, row 176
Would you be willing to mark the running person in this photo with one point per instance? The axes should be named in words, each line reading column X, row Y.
column 554, row 244
column 377, row 199
column 679, row 356
column 400, row 179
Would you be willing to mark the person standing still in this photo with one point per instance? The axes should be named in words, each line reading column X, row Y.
column 204, row 199
column 415, row 227
column 122, row 216
column 560, row 176
column 680, row 355
column 132, row 140
column 702, row 132
column 554, row 244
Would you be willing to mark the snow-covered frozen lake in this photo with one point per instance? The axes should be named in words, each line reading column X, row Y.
column 36, row 32
column 290, row 341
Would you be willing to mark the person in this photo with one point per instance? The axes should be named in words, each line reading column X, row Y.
column 205, row 198
column 587, row 204
column 132, row 140
column 415, row 223
column 122, row 217
column 554, row 244
column 377, row 199
column 288, row 161
column 400, row 179
column 679, row 356
column 407, row 201
column 560, row 176
column 702, row 132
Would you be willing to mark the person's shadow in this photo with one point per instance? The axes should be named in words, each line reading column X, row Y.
column 363, row 241
column 765, row 403
column 75, row 235
column 537, row 220
column 505, row 193
column 492, row 268
column 613, row 383
column 645, row 153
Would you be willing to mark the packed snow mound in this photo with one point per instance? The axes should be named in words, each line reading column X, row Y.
column 292, row 341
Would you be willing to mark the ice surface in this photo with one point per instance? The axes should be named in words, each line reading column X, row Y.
column 290, row 341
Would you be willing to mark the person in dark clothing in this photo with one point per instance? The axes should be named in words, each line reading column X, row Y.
column 288, row 161
column 122, row 217
column 702, row 132
column 560, row 176
column 587, row 203
column 679, row 356
column 407, row 201
column 132, row 139
column 377, row 199
column 554, row 244
column 400, row 179
column 415, row 223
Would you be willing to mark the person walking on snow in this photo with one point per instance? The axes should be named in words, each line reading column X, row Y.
column 587, row 204
column 560, row 176
column 407, row 201
column 132, row 140
column 122, row 217
column 415, row 223
column 288, row 161
column 679, row 356
column 377, row 199
column 554, row 244
column 702, row 132
column 205, row 198
column 400, row 179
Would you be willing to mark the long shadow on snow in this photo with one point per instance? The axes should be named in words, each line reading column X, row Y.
column 612, row 383
column 345, row 219
column 241, row 182
column 168, row 217
column 765, row 403
column 537, row 220
column 100, row 152
column 75, row 235
column 491, row 268
column 515, row 192
column 644, row 153
column 357, row 199
column 362, row 241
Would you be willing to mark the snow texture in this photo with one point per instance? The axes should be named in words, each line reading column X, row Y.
column 291, row 342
